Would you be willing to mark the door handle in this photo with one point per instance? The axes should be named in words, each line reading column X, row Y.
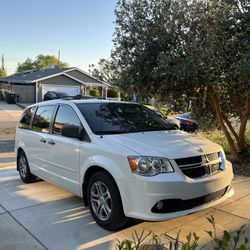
column 43, row 140
column 51, row 142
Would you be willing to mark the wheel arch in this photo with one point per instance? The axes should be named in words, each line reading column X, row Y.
column 89, row 172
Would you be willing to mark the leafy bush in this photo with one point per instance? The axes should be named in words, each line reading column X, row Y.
column 151, row 241
column 229, row 240
column 94, row 92
column 124, row 96
column 166, row 111
column 112, row 93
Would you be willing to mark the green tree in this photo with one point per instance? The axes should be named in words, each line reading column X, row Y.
column 2, row 73
column 106, row 70
column 189, row 52
column 41, row 62
column 28, row 64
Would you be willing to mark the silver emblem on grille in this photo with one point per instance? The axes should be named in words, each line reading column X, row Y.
column 205, row 159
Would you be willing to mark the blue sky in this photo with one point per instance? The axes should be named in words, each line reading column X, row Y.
column 81, row 29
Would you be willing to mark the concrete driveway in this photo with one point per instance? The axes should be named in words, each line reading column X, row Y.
column 43, row 216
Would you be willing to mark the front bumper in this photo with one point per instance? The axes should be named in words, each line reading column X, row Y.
column 140, row 195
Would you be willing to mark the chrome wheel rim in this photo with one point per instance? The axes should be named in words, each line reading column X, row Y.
column 101, row 201
column 22, row 166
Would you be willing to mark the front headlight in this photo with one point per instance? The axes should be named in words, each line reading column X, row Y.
column 222, row 154
column 149, row 166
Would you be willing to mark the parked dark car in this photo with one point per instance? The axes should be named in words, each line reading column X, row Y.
column 52, row 95
column 171, row 120
column 187, row 123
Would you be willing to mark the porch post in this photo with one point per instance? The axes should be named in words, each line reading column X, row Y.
column 37, row 91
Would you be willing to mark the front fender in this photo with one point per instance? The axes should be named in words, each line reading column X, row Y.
column 119, row 171
column 20, row 145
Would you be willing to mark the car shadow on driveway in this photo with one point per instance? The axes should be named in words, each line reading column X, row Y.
column 67, row 224
column 53, row 216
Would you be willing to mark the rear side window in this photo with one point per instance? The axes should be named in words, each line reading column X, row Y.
column 26, row 118
column 65, row 116
column 42, row 119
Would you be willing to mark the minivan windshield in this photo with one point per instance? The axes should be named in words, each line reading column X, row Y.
column 117, row 118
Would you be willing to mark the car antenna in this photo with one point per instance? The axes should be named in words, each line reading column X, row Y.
column 101, row 136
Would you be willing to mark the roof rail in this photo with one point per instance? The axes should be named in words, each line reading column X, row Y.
column 80, row 97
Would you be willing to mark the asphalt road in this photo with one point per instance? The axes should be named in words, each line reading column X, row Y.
column 9, row 115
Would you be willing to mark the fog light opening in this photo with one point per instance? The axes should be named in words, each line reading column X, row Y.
column 159, row 205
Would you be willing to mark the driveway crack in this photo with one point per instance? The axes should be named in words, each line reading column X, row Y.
column 26, row 229
column 233, row 214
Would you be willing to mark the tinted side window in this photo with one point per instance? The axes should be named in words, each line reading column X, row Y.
column 42, row 119
column 65, row 116
column 26, row 118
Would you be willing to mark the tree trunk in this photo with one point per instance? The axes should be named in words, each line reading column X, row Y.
column 231, row 128
column 216, row 106
column 242, row 138
column 243, row 123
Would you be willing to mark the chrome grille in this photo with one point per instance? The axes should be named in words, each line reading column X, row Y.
column 212, row 156
column 200, row 166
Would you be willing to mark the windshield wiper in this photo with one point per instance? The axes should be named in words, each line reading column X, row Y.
column 110, row 132
column 158, row 129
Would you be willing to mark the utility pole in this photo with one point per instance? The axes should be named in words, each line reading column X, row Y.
column 58, row 58
column 3, row 62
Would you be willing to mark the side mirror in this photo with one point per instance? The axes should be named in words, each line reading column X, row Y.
column 71, row 131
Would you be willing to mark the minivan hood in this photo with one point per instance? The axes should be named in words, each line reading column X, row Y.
column 171, row 144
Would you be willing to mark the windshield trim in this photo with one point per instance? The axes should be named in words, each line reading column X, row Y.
column 130, row 132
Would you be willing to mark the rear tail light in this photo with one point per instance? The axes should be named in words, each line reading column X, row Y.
column 188, row 123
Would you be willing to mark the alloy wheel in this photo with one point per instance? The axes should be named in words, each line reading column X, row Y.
column 101, row 201
column 23, row 166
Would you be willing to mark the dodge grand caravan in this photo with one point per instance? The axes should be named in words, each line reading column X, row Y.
column 123, row 159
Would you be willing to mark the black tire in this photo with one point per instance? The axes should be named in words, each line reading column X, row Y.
column 24, row 169
column 114, row 218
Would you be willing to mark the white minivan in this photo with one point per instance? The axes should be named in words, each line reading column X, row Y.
column 122, row 158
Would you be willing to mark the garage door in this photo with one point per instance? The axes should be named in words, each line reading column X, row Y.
column 70, row 90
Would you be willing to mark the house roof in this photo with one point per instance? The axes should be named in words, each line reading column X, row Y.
column 32, row 76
